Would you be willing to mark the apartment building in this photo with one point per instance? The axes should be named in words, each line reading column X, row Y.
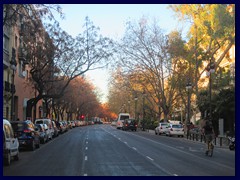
column 17, row 88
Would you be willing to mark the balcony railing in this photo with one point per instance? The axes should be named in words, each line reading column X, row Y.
column 8, row 87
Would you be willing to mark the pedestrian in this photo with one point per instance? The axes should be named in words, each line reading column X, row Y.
column 208, row 133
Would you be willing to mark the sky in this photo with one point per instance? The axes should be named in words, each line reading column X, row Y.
column 111, row 19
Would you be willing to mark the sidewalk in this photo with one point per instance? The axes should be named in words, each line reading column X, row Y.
column 221, row 142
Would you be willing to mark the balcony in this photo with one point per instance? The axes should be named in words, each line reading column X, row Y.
column 8, row 87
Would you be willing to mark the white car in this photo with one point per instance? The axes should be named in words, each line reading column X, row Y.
column 49, row 130
column 162, row 128
column 175, row 130
column 121, row 118
column 10, row 143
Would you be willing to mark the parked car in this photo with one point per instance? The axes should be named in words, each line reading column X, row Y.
column 42, row 133
column 114, row 123
column 55, row 128
column 10, row 144
column 48, row 122
column 73, row 123
column 69, row 124
column 129, row 124
column 65, row 124
column 162, row 128
column 175, row 129
column 63, row 127
column 121, row 118
column 26, row 134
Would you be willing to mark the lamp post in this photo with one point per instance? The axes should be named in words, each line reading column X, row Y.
column 135, row 99
column 13, row 65
column 210, row 69
column 188, row 87
column 143, row 103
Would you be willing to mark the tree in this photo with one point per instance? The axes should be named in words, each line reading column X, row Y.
column 145, row 52
column 211, row 34
column 58, row 58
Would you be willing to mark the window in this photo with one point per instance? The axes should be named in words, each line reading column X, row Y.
column 6, row 42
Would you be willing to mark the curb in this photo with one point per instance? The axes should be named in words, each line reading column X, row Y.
column 216, row 145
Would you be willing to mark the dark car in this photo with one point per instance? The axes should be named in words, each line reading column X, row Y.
column 26, row 134
column 42, row 133
column 130, row 124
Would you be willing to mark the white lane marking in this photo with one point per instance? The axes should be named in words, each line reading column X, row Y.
column 193, row 150
column 134, row 148
column 125, row 142
column 86, row 142
column 119, row 138
column 149, row 158
column 85, row 175
column 86, row 148
column 85, row 158
column 175, row 174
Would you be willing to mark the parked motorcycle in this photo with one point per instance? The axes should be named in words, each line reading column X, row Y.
column 232, row 143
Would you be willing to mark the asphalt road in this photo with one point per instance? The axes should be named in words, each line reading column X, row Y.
column 102, row 150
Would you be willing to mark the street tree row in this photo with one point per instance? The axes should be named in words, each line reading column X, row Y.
column 159, row 66
column 54, row 57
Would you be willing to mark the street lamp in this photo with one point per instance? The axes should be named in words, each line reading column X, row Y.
column 143, row 98
column 135, row 99
column 210, row 69
column 45, row 107
column 13, row 65
column 188, row 87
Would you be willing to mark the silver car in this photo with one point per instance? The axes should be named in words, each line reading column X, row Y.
column 161, row 129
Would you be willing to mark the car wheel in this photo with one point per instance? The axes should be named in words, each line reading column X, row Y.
column 155, row 132
column 7, row 160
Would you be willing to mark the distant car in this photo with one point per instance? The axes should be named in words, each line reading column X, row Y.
column 175, row 130
column 50, row 129
column 121, row 118
column 63, row 127
column 73, row 124
column 114, row 123
column 42, row 133
column 129, row 124
column 10, row 144
column 26, row 134
column 55, row 129
column 162, row 128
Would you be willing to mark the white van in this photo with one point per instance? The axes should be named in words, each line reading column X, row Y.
column 50, row 129
column 121, row 118
column 10, row 143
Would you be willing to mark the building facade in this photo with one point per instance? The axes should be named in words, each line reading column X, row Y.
column 17, row 89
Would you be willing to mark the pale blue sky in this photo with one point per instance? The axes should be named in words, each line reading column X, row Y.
column 111, row 19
